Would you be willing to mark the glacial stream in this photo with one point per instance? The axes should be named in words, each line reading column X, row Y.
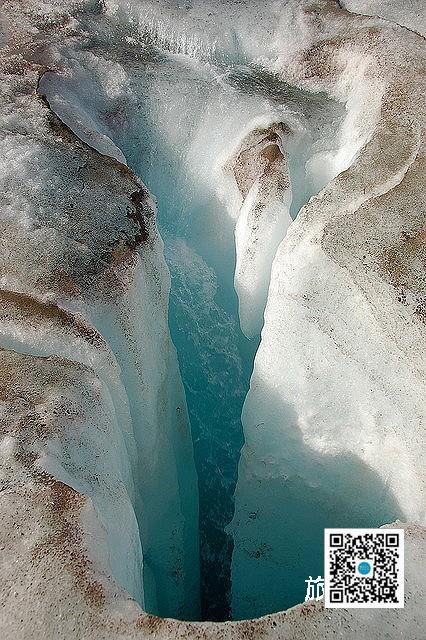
column 177, row 120
column 185, row 123
column 215, row 358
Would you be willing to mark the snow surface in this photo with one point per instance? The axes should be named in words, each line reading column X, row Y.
column 407, row 14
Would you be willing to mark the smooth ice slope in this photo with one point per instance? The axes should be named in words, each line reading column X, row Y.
column 333, row 419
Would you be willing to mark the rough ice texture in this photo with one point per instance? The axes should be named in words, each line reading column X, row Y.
column 334, row 415
column 78, row 238
column 408, row 14
column 84, row 295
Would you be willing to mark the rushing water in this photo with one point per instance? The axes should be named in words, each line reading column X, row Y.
column 215, row 358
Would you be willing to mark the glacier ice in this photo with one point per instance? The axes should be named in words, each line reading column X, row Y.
column 75, row 286
column 260, row 169
column 190, row 137
column 326, row 422
column 284, row 153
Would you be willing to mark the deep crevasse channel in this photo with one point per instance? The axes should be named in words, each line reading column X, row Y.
column 182, row 117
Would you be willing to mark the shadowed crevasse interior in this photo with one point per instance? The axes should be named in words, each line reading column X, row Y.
column 178, row 122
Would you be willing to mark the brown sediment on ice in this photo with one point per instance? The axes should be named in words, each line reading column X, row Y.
column 258, row 155
column 20, row 307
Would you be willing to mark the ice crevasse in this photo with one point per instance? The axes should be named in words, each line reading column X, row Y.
column 87, row 358
column 334, row 415
column 284, row 144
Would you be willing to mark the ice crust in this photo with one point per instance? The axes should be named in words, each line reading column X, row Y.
column 77, row 288
column 408, row 14
column 327, row 420
column 97, row 459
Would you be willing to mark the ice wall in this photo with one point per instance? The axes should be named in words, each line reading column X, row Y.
column 260, row 169
column 84, row 287
column 332, row 422
column 164, row 141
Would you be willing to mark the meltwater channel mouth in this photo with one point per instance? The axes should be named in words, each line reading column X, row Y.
column 177, row 125
column 182, row 123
